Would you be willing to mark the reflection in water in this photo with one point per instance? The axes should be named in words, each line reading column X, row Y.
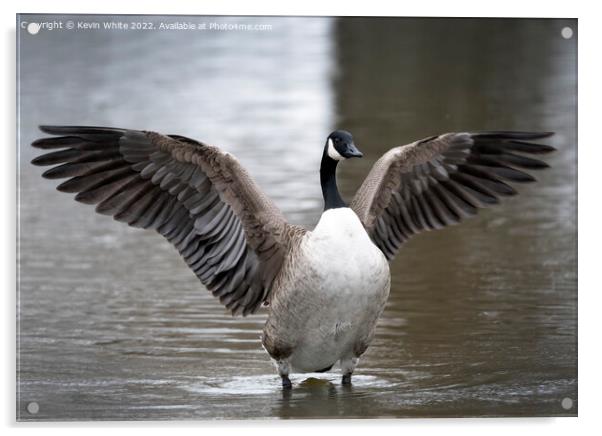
column 482, row 316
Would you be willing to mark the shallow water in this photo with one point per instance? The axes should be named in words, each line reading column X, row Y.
column 482, row 317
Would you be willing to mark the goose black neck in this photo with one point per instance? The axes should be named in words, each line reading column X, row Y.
column 328, row 180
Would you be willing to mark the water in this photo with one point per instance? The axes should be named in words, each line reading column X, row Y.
column 482, row 317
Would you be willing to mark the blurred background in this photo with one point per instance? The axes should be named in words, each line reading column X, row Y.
column 482, row 317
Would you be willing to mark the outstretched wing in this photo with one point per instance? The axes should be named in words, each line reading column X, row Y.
column 198, row 197
column 441, row 180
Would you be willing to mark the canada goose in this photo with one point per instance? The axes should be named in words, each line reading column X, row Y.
column 325, row 288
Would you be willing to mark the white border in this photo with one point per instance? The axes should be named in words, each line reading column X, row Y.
column 458, row 8
column 589, row 218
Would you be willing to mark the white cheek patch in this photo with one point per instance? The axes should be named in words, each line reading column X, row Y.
column 332, row 152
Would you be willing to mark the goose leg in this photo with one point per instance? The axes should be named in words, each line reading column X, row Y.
column 286, row 382
column 283, row 370
column 347, row 367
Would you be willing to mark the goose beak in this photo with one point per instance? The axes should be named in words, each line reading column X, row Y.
column 351, row 151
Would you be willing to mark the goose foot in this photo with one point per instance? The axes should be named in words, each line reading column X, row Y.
column 347, row 367
column 283, row 370
column 286, row 382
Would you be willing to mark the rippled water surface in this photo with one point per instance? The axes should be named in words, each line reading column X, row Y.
column 482, row 317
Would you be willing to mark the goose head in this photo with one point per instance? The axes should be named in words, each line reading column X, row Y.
column 339, row 146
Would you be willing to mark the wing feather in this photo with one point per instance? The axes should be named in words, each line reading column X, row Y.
column 199, row 198
column 441, row 180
